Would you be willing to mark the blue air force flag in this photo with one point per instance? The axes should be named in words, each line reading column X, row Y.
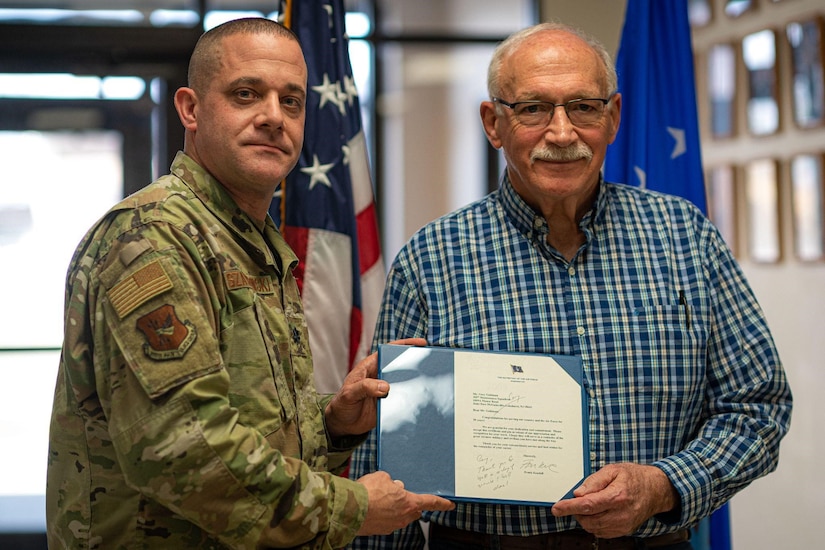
column 657, row 146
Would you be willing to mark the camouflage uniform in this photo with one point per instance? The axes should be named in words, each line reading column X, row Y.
column 185, row 414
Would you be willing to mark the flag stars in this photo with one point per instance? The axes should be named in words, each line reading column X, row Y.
column 347, row 150
column 343, row 99
column 328, row 9
column 318, row 173
column 642, row 176
column 331, row 92
column 680, row 147
column 349, row 88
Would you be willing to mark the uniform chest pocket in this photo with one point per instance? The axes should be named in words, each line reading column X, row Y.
column 258, row 387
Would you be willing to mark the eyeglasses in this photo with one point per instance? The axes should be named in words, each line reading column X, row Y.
column 581, row 112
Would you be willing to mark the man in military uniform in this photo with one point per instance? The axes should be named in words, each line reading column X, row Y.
column 185, row 414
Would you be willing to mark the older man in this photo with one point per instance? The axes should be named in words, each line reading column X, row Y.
column 688, row 400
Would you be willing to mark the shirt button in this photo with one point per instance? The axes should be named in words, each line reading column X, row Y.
column 580, row 331
column 592, row 457
column 571, row 270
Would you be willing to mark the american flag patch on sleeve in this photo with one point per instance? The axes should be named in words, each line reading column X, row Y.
column 145, row 283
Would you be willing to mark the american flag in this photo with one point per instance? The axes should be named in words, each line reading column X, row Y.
column 658, row 145
column 325, row 207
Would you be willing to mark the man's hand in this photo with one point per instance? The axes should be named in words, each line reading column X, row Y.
column 353, row 410
column 391, row 507
column 617, row 499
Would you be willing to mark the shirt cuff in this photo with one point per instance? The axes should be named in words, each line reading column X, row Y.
column 349, row 510
column 693, row 484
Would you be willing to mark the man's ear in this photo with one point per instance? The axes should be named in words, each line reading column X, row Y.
column 490, row 119
column 186, row 101
column 615, row 114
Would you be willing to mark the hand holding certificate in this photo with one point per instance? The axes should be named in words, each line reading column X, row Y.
column 480, row 425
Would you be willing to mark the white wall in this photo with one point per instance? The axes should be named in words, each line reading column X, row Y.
column 784, row 509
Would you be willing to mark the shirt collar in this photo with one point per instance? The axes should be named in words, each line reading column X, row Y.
column 528, row 221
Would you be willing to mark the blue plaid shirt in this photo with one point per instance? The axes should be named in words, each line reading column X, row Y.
column 679, row 365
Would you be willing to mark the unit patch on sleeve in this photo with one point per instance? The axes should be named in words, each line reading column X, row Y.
column 167, row 337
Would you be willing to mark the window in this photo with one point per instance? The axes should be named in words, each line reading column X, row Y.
column 56, row 184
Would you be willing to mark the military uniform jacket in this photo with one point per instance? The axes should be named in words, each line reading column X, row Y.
column 185, row 413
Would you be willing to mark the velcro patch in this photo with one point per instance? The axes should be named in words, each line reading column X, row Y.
column 145, row 283
column 167, row 337
column 237, row 279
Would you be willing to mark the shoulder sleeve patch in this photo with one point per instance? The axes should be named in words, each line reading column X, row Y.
column 167, row 337
column 144, row 284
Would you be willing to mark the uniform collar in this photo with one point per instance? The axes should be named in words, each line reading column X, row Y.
column 264, row 243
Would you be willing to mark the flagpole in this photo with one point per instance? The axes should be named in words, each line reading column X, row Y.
column 287, row 22
column 287, row 15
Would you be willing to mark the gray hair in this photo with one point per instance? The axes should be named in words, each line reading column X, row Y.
column 517, row 39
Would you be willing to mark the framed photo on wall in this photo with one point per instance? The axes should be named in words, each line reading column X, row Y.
column 721, row 82
column 735, row 8
column 762, row 199
column 808, row 83
column 759, row 56
column 700, row 12
column 721, row 194
column 808, row 200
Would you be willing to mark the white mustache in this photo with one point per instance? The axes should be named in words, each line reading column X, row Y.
column 562, row 154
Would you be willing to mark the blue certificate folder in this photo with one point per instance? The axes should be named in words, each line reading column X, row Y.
column 516, row 421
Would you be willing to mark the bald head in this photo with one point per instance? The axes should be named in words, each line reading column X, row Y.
column 518, row 39
column 207, row 55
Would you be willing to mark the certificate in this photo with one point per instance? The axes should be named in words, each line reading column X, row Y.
column 482, row 425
